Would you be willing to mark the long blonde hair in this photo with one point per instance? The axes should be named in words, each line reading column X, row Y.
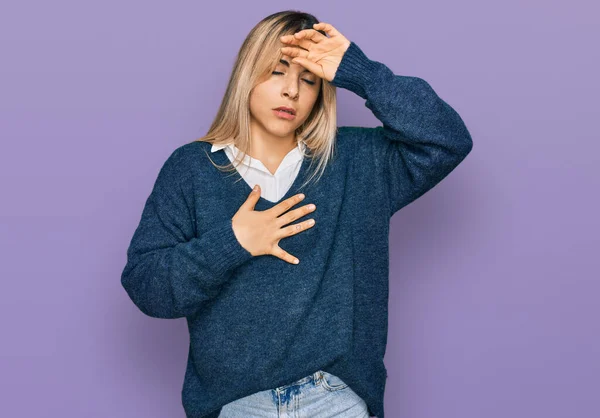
column 257, row 58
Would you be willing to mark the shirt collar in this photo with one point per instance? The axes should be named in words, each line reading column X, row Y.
column 292, row 157
column 215, row 147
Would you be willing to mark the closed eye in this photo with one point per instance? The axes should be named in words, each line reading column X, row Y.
column 308, row 81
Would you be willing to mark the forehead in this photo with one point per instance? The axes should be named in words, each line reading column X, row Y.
column 286, row 60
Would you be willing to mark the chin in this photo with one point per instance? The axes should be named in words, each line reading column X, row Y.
column 283, row 132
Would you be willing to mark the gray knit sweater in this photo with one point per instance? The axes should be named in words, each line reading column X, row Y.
column 257, row 323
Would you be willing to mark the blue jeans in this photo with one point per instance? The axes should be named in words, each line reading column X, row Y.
column 320, row 395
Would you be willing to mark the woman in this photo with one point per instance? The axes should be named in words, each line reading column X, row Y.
column 285, row 315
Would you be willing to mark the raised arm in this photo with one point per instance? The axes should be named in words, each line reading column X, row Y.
column 171, row 273
column 422, row 138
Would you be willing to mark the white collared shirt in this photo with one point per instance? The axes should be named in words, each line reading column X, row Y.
column 273, row 186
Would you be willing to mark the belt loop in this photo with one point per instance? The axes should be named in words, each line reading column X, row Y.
column 318, row 376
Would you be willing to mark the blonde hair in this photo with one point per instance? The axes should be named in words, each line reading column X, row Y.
column 256, row 59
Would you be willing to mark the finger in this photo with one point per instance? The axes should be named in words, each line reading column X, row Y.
column 294, row 52
column 311, row 34
column 284, row 255
column 284, row 206
column 252, row 198
column 330, row 30
column 309, row 65
column 304, row 43
column 294, row 229
column 292, row 215
column 300, row 56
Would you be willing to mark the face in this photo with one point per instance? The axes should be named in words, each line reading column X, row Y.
column 289, row 85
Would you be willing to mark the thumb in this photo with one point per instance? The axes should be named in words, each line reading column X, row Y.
column 252, row 199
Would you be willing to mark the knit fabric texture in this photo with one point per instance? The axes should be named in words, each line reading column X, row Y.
column 258, row 322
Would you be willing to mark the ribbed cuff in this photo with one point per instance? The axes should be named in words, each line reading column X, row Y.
column 221, row 249
column 355, row 71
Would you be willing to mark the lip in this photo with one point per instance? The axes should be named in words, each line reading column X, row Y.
column 283, row 115
column 290, row 109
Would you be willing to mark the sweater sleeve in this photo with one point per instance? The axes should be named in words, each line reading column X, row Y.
column 422, row 138
column 171, row 273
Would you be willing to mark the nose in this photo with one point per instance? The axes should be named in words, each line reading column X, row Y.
column 291, row 90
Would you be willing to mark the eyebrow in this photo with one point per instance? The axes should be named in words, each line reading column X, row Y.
column 287, row 64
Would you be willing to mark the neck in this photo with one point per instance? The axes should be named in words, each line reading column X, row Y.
column 270, row 149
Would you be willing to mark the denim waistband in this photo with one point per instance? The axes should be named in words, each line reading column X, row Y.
column 315, row 376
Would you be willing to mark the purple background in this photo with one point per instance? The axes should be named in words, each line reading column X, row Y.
column 494, row 274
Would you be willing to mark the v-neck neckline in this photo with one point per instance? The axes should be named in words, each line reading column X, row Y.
column 247, row 188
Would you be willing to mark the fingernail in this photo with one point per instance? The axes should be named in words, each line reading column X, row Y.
column 255, row 188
